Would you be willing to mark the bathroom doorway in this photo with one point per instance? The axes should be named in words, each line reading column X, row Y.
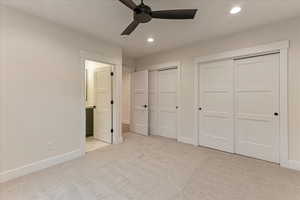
column 99, row 104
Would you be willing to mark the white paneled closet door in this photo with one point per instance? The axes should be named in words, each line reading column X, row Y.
column 153, row 102
column 140, row 103
column 167, row 103
column 257, row 107
column 216, row 113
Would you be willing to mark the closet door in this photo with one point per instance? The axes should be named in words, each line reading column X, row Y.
column 167, row 102
column 216, row 114
column 153, row 102
column 257, row 107
column 140, row 103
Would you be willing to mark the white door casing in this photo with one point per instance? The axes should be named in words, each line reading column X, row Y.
column 140, row 103
column 257, row 107
column 167, row 103
column 215, row 109
column 103, row 110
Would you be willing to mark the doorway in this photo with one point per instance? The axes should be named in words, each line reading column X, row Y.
column 99, row 104
column 156, row 101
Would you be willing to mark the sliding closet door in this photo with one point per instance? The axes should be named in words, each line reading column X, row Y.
column 257, row 107
column 216, row 114
column 167, row 102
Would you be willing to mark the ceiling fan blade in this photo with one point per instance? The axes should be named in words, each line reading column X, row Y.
column 129, row 3
column 130, row 28
column 175, row 14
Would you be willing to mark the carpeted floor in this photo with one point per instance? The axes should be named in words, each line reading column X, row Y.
column 154, row 168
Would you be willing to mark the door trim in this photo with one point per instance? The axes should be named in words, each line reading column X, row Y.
column 117, row 89
column 277, row 47
column 166, row 66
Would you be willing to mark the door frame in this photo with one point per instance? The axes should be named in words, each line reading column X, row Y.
column 117, row 95
column 166, row 66
column 282, row 48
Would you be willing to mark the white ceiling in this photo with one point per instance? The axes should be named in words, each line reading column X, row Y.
column 106, row 19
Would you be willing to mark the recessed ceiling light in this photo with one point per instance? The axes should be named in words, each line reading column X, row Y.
column 235, row 10
column 150, row 40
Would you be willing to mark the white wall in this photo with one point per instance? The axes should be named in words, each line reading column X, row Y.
column 1, row 91
column 126, row 103
column 128, row 68
column 42, row 87
column 288, row 30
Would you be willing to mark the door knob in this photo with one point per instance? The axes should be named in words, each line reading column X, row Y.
column 200, row 108
column 276, row 114
column 145, row 106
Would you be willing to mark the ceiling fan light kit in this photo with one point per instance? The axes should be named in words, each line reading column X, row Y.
column 144, row 14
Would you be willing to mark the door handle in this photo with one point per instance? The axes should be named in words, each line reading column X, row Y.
column 276, row 114
column 200, row 108
column 145, row 106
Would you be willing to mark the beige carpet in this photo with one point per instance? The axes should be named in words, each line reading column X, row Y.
column 153, row 168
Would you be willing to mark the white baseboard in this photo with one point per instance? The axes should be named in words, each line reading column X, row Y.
column 185, row 140
column 37, row 166
column 292, row 164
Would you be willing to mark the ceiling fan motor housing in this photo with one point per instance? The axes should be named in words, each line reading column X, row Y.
column 142, row 13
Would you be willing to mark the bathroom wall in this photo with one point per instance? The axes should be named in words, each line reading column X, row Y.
column 90, row 67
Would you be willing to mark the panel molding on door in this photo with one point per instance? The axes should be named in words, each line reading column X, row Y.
column 216, row 112
column 140, row 103
column 168, row 103
column 103, row 111
column 257, row 107
column 153, row 103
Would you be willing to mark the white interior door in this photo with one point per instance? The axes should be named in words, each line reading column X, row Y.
column 103, row 97
column 257, row 107
column 167, row 103
column 216, row 120
column 140, row 103
column 153, row 102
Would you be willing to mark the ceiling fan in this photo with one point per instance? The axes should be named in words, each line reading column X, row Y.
column 144, row 14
